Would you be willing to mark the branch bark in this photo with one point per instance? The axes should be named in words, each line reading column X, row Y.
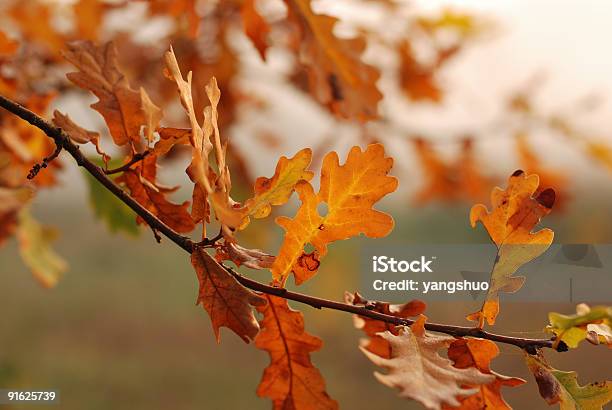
column 63, row 140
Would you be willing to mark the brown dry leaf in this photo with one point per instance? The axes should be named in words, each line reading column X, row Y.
column 459, row 180
column 337, row 76
column 120, row 105
column 290, row 381
column 371, row 327
column 420, row 373
column 251, row 258
column 255, row 27
column 478, row 353
column 152, row 114
column 349, row 191
column 78, row 134
column 169, row 137
column 516, row 211
column 140, row 179
column 227, row 302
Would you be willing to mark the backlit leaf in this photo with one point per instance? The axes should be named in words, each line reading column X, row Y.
column 349, row 191
column 515, row 213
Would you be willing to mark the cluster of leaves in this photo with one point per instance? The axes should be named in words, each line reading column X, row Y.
column 332, row 70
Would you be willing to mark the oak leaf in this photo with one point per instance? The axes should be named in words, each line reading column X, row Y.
column 515, row 213
column 140, row 179
column 337, row 76
column 122, row 107
column 349, row 191
column 227, row 302
column 562, row 387
column 478, row 353
column 420, row 373
column 593, row 324
column 8, row 46
column 290, row 381
column 372, row 327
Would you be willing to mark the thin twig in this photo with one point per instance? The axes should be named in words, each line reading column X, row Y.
column 62, row 140
column 45, row 162
column 136, row 158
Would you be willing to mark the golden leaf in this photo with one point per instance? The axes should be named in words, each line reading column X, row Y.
column 349, row 191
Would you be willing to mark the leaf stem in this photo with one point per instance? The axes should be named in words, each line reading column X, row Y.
column 136, row 158
column 63, row 140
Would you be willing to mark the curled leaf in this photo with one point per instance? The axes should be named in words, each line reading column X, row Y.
column 78, row 134
column 420, row 373
column 372, row 327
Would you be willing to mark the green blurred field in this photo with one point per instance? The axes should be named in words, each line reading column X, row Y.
column 121, row 331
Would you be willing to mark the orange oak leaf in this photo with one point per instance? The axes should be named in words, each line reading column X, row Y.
column 478, row 353
column 420, row 373
column 227, row 302
column 77, row 133
column 122, row 107
column 349, row 191
column 255, row 27
column 290, row 381
column 337, row 76
column 372, row 327
column 140, row 179
column 516, row 211
column 418, row 81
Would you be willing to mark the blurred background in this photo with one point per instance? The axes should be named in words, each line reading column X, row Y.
column 492, row 87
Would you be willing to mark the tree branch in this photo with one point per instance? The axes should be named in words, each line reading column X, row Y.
column 63, row 140
column 136, row 158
